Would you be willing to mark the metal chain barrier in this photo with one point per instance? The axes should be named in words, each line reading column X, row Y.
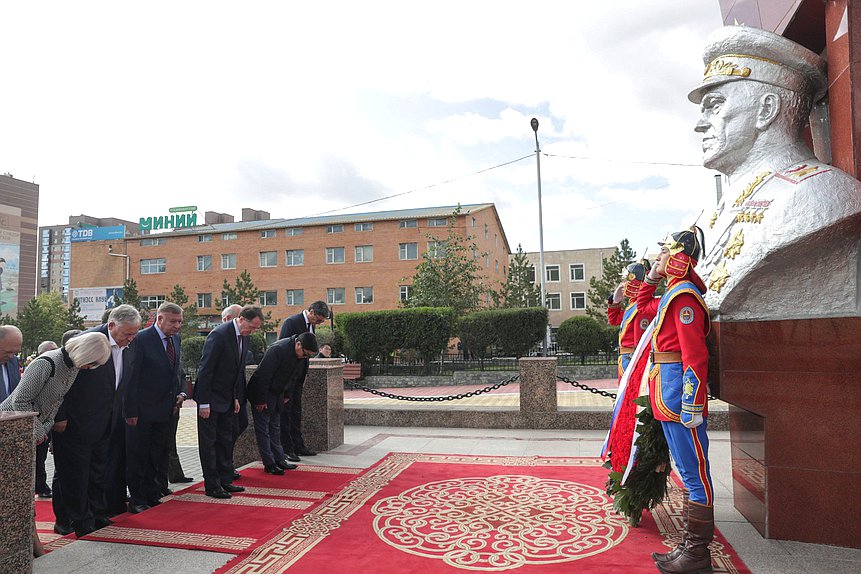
column 592, row 390
column 354, row 385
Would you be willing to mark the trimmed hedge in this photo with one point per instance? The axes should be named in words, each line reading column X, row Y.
column 582, row 336
column 373, row 335
column 511, row 331
column 191, row 348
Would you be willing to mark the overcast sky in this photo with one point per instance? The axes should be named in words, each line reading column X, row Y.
column 125, row 110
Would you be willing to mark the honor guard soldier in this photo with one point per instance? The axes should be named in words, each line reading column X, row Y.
column 678, row 389
column 631, row 321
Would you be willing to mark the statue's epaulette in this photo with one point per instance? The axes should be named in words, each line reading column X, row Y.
column 802, row 171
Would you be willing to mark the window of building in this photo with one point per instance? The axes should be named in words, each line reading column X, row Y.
column 408, row 251
column 152, row 301
column 578, row 301
column 577, row 272
column 151, row 266
column 205, row 238
column 267, row 233
column 405, row 292
column 204, row 262
column 334, row 255
column 228, row 260
column 225, row 300
column 291, row 231
column 405, row 223
column 294, row 257
column 473, row 222
column 554, row 301
column 364, row 295
column 364, row 253
column 551, row 273
column 268, row 298
column 438, row 222
column 151, row 241
column 295, row 296
column 228, row 236
column 436, row 249
column 487, row 260
column 204, row 300
column 364, row 227
column 530, row 273
column 269, row 259
column 485, row 231
column 334, row 229
column 335, row 296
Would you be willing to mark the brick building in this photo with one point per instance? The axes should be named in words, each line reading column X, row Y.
column 355, row 262
column 567, row 275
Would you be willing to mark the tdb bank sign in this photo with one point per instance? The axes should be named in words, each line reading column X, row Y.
column 98, row 233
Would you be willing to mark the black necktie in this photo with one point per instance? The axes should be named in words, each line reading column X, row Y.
column 171, row 352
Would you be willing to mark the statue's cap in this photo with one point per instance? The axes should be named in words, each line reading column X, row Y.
column 735, row 53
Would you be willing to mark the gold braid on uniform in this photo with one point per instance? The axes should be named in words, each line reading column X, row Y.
column 646, row 486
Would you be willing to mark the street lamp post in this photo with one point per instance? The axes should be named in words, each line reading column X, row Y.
column 534, row 124
column 128, row 258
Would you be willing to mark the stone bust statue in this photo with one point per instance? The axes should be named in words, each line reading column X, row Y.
column 782, row 241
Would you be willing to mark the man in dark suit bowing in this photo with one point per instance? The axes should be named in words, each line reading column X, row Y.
column 291, row 417
column 154, row 393
column 11, row 340
column 89, row 432
column 266, row 391
column 219, row 389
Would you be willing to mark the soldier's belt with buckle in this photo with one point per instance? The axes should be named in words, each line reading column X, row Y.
column 626, row 350
column 670, row 357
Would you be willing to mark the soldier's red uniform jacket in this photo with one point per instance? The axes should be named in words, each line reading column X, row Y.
column 632, row 321
column 678, row 390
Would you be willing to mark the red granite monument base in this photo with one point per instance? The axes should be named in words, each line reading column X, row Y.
column 796, row 454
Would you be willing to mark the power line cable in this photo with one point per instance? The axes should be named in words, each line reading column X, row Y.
column 623, row 160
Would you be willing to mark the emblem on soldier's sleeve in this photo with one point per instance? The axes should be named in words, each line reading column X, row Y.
column 688, row 389
column 686, row 315
column 644, row 324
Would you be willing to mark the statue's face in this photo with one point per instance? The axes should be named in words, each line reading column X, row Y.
column 728, row 125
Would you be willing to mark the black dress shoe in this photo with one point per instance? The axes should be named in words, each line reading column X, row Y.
column 292, row 457
column 63, row 529
column 273, row 469
column 236, row 475
column 218, row 493
column 44, row 493
column 306, row 452
column 183, row 479
column 138, row 508
column 166, row 492
column 284, row 465
column 232, row 488
column 101, row 522
column 152, row 503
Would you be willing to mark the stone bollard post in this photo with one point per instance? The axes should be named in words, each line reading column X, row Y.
column 323, row 405
column 18, row 469
column 538, row 391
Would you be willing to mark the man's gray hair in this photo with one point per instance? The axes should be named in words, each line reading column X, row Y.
column 231, row 312
column 124, row 314
column 6, row 330
column 168, row 307
column 46, row 346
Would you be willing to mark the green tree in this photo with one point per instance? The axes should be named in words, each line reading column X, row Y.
column 601, row 287
column 43, row 318
column 449, row 274
column 73, row 315
column 190, row 322
column 519, row 289
column 131, row 297
column 192, row 347
column 581, row 336
column 244, row 292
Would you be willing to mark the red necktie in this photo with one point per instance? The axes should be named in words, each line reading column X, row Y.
column 171, row 352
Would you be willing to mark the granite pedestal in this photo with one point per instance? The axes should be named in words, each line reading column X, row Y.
column 18, row 471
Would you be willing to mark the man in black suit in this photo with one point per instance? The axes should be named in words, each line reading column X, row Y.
column 153, row 395
column 266, row 394
column 89, row 432
column 291, row 418
column 219, row 389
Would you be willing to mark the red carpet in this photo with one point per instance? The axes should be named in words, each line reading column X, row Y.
column 45, row 527
column 190, row 519
column 422, row 514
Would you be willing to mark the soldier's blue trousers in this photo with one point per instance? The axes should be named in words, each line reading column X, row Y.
column 690, row 451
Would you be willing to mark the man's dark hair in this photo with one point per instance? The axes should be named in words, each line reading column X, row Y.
column 308, row 340
column 251, row 312
column 68, row 335
column 320, row 308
